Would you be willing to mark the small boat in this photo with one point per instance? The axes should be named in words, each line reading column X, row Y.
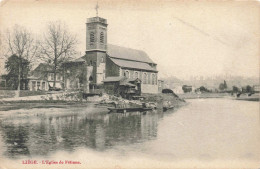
column 132, row 109
column 167, row 108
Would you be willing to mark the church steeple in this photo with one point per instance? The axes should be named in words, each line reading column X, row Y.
column 97, row 9
column 96, row 39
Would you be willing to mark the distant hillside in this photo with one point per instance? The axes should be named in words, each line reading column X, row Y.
column 172, row 79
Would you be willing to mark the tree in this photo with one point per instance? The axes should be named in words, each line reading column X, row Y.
column 186, row 88
column 203, row 89
column 249, row 89
column 57, row 46
column 235, row 89
column 12, row 67
column 21, row 43
column 223, row 86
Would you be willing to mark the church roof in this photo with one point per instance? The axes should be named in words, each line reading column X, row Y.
column 127, row 54
column 133, row 64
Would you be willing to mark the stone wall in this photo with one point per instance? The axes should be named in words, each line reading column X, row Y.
column 112, row 69
column 97, row 59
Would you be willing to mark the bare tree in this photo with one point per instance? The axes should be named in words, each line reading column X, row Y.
column 1, row 52
column 20, row 42
column 57, row 46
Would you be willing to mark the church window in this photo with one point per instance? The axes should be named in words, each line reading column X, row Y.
column 153, row 79
column 127, row 74
column 102, row 59
column 136, row 74
column 148, row 79
column 101, row 37
column 145, row 78
column 92, row 37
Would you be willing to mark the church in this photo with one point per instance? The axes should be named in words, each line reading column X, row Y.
column 104, row 64
column 104, row 68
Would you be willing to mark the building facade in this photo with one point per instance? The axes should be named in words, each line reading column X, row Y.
column 42, row 78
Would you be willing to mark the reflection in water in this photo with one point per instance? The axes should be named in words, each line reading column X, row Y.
column 206, row 130
column 42, row 135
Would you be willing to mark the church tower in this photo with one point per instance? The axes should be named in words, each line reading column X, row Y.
column 96, row 34
column 96, row 46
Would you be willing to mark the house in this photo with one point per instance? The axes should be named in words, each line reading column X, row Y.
column 103, row 61
column 122, row 86
column 42, row 78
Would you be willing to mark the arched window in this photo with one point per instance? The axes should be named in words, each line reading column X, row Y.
column 101, row 37
column 136, row 74
column 145, row 78
column 92, row 37
column 127, row 74
column 102, row 59
column 153, row 79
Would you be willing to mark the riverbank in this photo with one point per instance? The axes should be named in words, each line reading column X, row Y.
column 251, row 97
column 203, row 95
column 32, row 104
column 245, row 96
column 165, row 99
column 67, row 100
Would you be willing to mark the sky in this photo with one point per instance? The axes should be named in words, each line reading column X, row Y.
column 185, row 38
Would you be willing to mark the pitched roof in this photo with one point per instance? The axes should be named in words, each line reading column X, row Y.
column 133, row 64
column 114, row 79
column 122, row 79
column 128, row 54
column 43, row 67
column 124, row 83
column 133, row 79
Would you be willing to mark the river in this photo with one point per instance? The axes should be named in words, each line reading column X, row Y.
column 204, row 133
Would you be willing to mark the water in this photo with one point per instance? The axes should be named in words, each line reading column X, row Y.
column 206, row 131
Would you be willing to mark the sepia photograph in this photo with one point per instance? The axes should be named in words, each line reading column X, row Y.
column 127, row 84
